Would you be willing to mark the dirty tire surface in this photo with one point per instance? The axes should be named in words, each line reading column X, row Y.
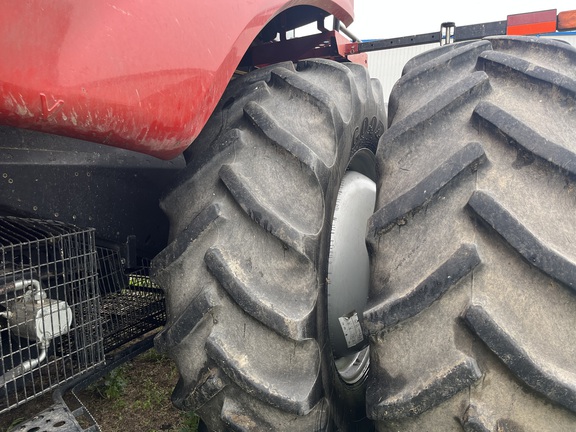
column 472, row 310
column 244, row 273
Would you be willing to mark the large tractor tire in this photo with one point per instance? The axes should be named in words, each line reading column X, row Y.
column 472, row 310
column 246, row 273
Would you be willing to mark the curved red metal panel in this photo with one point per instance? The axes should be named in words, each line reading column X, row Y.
column 142, row 75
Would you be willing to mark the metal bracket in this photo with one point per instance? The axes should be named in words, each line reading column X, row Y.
column 447, row 33
column 330, row 44
column 460, row 34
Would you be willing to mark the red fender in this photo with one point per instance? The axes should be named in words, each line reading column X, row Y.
column 142, row 75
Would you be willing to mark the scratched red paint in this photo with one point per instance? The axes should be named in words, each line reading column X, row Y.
column 134, row 74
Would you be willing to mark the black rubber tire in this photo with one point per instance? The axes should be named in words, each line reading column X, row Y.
column 472, row 310
column 245, row 271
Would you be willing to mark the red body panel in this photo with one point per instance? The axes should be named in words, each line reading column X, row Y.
column 142, row 75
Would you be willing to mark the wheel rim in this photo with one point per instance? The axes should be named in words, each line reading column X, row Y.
column 348, row 272
column 354, row 367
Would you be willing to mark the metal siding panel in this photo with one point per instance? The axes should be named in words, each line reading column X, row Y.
column 387, row 65
column 571, row 39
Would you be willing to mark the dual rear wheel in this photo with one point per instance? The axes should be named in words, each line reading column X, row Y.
column 459, row 313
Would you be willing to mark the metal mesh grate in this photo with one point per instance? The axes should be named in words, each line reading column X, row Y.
column 50, row 323
column 131, row 304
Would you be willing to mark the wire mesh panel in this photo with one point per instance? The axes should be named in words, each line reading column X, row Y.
column 131, row 304
column 50, row 323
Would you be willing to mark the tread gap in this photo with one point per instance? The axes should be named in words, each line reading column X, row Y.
column 418, row 195
column 398, row 308
column 318, row 113
column 174, row 332
column 213, row 140
column 334, row 76
column 179, row 245
column 284, row 301
column 430, row 55
column 474, row 420
column 193, row 182
column 435, row 75
column 241, row 418
column 191, row 397
column 243, row 413
column 522, row 240
column 462, row 92
column 276, row 370
column 540, row 50
column 414, row 400
column 494, row 62
column 216, row 136
column 526, row 137
column 299, row 229
column 541, row 378
column 272, row 129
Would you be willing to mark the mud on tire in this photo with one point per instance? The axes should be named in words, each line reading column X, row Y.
column 472, row 310
column 245, row 271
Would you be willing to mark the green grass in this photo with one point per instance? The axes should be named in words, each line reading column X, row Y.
column 136, row 397
column 190, row 422
column 112, row 386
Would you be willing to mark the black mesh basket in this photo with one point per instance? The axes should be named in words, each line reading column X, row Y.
column 131, row 304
